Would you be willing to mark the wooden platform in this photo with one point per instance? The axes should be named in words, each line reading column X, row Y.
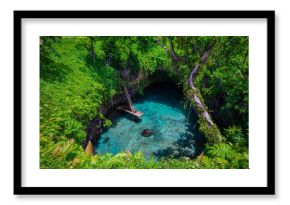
column 128, row 110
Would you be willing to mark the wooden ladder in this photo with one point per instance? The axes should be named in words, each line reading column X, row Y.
column 129, row 99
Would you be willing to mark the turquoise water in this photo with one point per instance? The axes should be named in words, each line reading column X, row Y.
column 164, row 113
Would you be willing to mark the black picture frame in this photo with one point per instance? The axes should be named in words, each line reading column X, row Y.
column 268, row 190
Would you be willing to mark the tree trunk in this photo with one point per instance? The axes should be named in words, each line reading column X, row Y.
column 172, row 50
column 190, row 81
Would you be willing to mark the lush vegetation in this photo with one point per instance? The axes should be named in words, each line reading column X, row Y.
column 79, row 74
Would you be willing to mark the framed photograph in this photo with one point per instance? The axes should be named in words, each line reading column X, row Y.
column 144, row 102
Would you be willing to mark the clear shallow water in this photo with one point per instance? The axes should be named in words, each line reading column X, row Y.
column 173, row 134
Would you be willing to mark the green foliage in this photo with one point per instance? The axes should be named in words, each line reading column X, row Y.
column 98, row 48
column 69, row 155
column 224, row 156
column 222, row 85
column 191, row 47
column 135, row 53
column 155, row 58
column 71, row 93
column 213, row 163
column 107, row 123
column 79, row 74
column 211, row 133
column 235, row 135
column 220, row 150
column 223, row 82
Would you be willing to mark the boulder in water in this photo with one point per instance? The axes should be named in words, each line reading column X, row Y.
column 147, row 132
column 136, row 119
column 106, row 140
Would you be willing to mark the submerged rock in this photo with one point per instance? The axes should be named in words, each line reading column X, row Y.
column 106, row 140
column 136, row 119
column 147, row 132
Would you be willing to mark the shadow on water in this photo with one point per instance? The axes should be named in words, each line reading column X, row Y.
column 170, row 95
column 186, row 146
column 190, row 143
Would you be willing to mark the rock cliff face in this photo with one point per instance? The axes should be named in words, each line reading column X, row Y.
column 134, row 85
column 94, row 131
